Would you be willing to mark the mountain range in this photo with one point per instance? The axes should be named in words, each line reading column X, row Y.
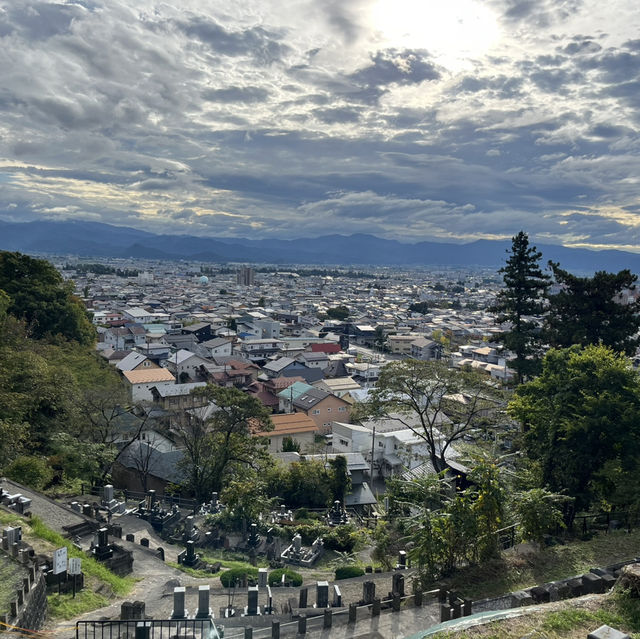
column 94, row 239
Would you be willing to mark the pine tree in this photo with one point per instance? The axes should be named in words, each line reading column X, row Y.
column 593, row 310
column 518, row 304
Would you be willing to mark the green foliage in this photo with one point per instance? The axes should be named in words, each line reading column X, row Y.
column 344, row 538
column 310, row 532
column 539, row 513
column 67, row 607
column 229, row 577
column 301, row 484
column 43, row 299
column 223, row 446
column 246, row 502
column 339, row 312
column 290, row 445
column 348, row 572
column 339, row 478
column 420, row 307
column 90, row 567
column 523, row 295
column 294, row 578
column 581, row 415
column 589, row 310
column 440, row 405
column 80, row 459
column 30, row 471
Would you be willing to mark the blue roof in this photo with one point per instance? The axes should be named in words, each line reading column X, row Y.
column 295, row 390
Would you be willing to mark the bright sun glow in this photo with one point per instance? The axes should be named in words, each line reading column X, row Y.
column 453, row 31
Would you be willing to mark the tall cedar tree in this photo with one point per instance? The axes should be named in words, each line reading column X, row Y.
column 521, row 300
column 591, row 310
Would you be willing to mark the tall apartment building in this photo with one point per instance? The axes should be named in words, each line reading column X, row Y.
column 245, row 276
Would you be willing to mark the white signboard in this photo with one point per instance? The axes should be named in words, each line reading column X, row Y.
column 75, row 566
column 59, row 561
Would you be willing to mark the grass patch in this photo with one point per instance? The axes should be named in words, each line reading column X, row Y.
column 516, row 571
column 90, row 567
column 66, row 607
column 573, row 622
column 193, row 572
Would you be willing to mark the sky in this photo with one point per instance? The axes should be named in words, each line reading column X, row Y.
column 449, row 120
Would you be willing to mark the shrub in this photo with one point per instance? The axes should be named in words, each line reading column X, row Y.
column 228, row 577
column 310, row 532
column 301, row 513
column 294, row 578
column 31, row 471
column 346, row 572
column 341, row 538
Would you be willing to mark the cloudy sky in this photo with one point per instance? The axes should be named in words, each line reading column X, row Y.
column 409, row 119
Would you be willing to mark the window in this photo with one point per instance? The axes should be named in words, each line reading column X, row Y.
column 380, row 444
column 316, row 411
column 329, row 409
column 344, row 442
column 342, row 409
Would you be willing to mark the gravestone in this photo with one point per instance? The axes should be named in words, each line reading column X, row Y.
column 402, row 560
column 297, row 543
column 322, row 594
column 269, row 608
column 179, row 610
column 337, row 597
column 302, row 599
column 397, row 585
column 107, row 494
column 263, row 576
column 204, row 611
column 252, row 602
column 368, row 592
column 191, row 559
column 607, row 632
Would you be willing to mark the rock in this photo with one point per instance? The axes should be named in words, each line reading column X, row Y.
column 630, row 579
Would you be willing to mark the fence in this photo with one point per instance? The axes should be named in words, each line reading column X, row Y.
column 132, row 495
column 148, row 629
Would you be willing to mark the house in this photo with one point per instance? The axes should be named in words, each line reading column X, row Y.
column 141, row 382
column 201, row 331
column 219, row 347
column 313, row 360
column 267, row 391
column 400, row 344
column 228, row 372
column 258, row 350
column 289, row 394
column 338, row 386
column 295, row 426
column 426, row 349
column 322, row 407
column 177, row 396
column 364, row 373
column 148, row 465
column 185, row 365
column 125, row 337
column 135, row 361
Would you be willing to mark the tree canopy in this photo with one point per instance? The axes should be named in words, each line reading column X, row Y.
column 591, row 310
column 580, row 417
column 438, row 404
column 40, row 296
column 221, row 446
column 519, row 302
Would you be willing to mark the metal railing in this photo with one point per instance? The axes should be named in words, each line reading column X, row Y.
column 148, row 629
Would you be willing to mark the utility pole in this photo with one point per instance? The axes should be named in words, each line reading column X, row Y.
column 373, row 450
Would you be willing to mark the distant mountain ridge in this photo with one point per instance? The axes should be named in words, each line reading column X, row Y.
column 94, row 239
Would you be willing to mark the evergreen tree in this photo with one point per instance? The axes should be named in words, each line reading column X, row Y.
column 521, row 300
column 591, row 310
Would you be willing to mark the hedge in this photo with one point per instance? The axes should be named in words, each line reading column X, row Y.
column 294, row 578
column 228, row 577
column 346, row 572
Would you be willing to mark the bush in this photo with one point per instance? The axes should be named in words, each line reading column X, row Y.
column 342, row 538
column 310, row 532
column 294, row 578
column 228, row 577
column 31, row 471
column 346, row 572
